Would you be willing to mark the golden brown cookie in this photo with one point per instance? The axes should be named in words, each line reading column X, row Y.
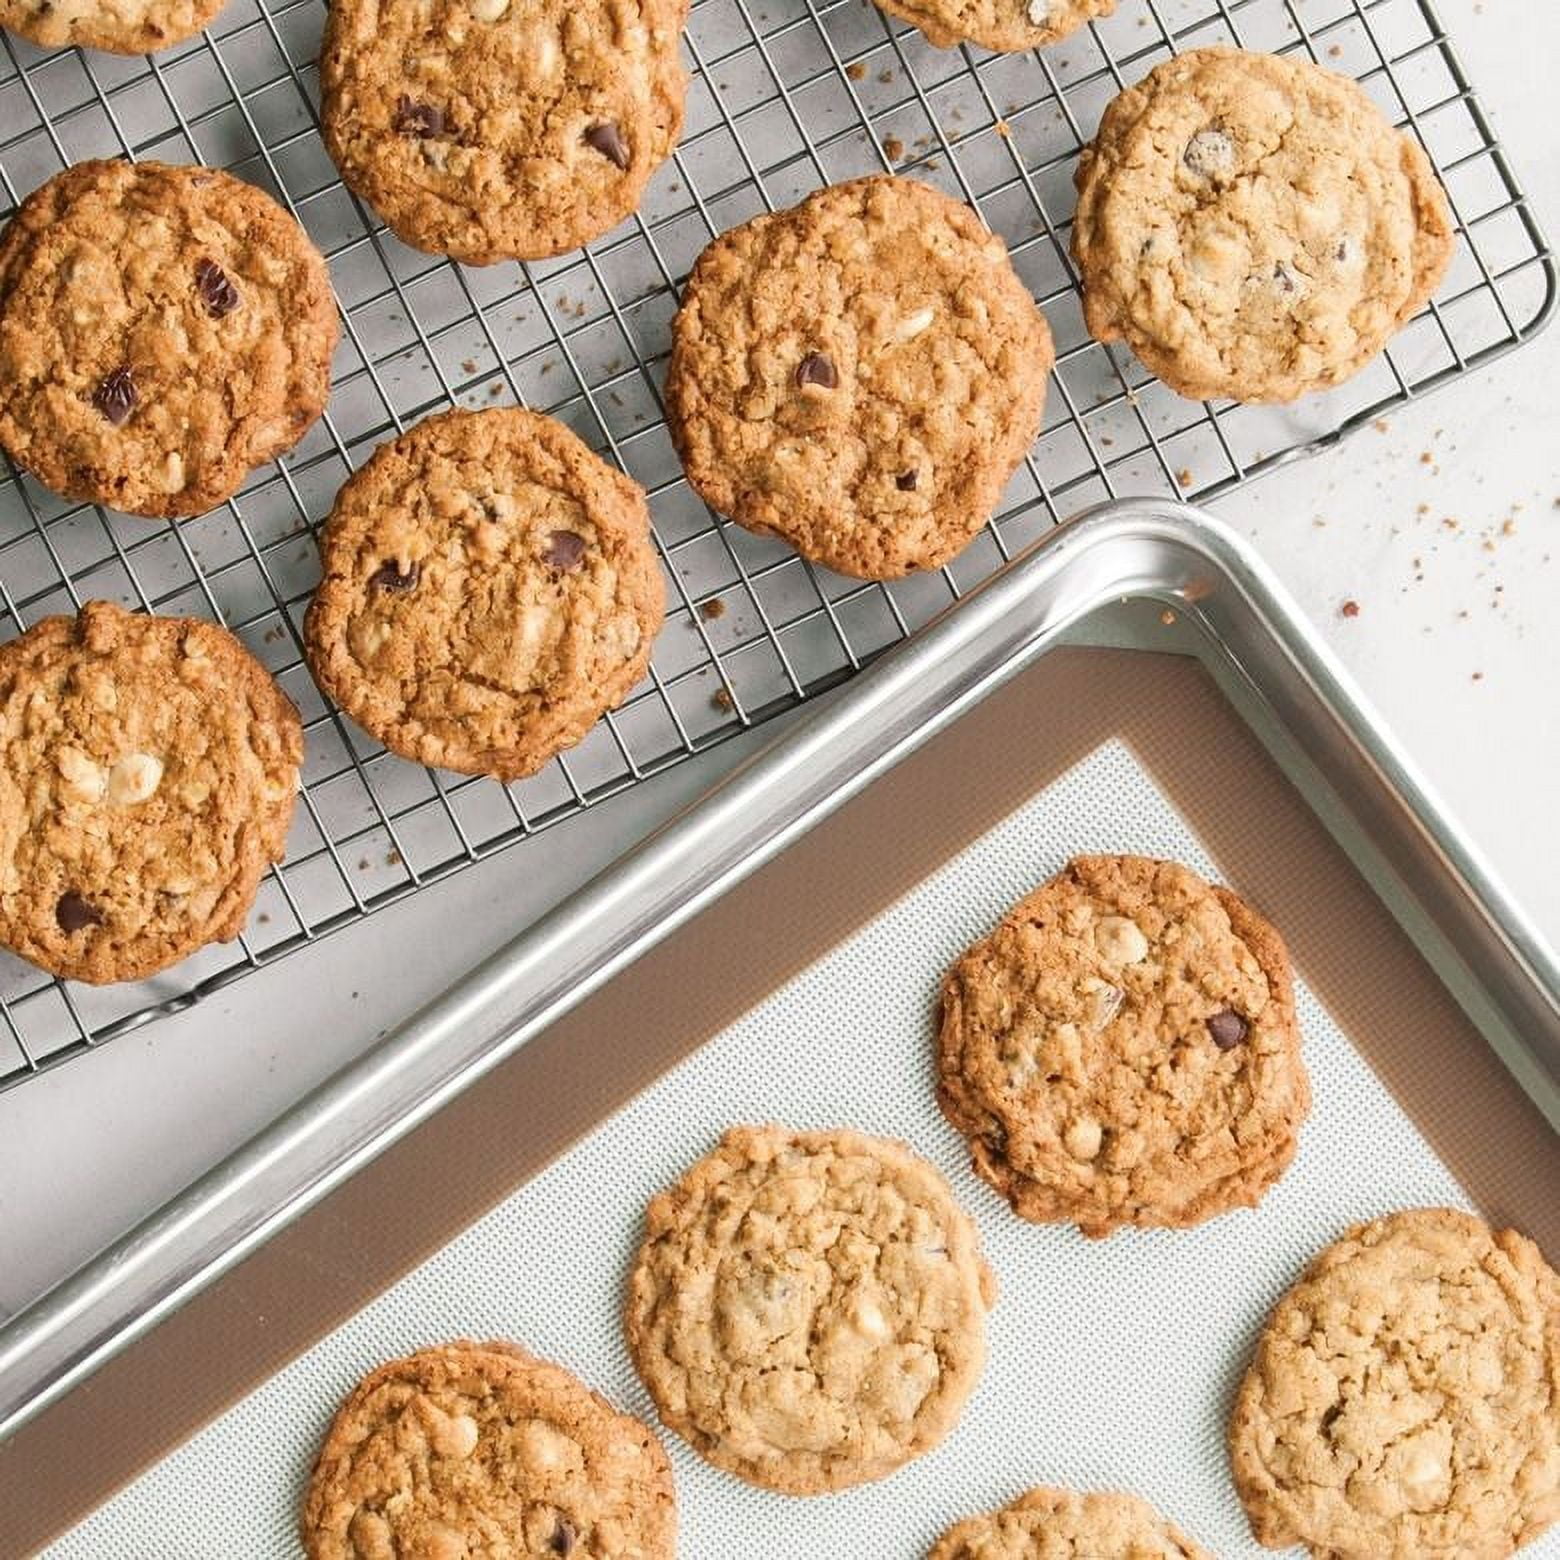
column 859, row 375
column 1404, row 1401
column 474, row 1450
column 1123, row 1049
column 163, row 331
column 118, row 26
column 1003, row 25
column 1047, row 1524
column 808, row 1309
column 494, row 129
column 150, row 766
column 490, row 590
column 1253, row 227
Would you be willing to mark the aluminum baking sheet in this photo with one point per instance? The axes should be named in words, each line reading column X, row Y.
column 1111, row 1363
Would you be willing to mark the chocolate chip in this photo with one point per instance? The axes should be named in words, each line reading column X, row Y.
column 906, row 480
column 388, row 576
column 608, row 140
column 1228, row 1029
column 74, row 913
column 420, row 119
column 563, row 1539
column 217, row 292
column 115, row 398
column 816, row 369
column 1283, row 278
column 564, row 550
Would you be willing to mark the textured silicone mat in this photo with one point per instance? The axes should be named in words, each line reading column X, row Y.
column 1111, row 1363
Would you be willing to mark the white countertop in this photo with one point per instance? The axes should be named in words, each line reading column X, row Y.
column 1454, row 563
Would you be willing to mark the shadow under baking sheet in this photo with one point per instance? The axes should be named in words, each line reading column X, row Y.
column 816, row 976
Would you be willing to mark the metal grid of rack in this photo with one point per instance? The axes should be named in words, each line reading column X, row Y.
column 785, row 96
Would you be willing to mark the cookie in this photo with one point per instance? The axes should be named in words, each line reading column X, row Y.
column 490, row 590
column 1253, row 227
column 502, row 129
column 1064, row 1525
column 1005, row 26
column 808, row 1309
column 150, row 766
column 475, row 1449
column 1123, row 1049
column 1404, row 1401
column 116, row 26
column 163, row 331
column 859, row 375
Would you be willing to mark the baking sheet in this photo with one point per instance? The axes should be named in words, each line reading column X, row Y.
column 1110, row 1364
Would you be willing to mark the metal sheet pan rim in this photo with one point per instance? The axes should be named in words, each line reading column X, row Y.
column 1131, row 548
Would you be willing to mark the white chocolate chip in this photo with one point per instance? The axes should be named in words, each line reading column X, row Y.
column 1039, row 13
column 488, row 10
column 1103, row 1002
column 1210, row 154
column 545, row 1452
column 1118, row 940
column 84, row 778
column 868, row 1319
column 455, row 1435
column 134, row 778
column 912, row 327
column 173, row 472
column 1082, row 1138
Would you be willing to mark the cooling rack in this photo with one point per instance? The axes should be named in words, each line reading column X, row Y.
column 785, row 96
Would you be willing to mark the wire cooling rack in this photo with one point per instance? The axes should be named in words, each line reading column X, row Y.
column 785, row 97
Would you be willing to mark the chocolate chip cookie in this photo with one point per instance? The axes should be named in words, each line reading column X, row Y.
column 859, row 375
column 490, row 590
column 150, row 766
column 1002, row 25
column 1253, row 227
column 1404, row 1401
column 1064, row 1525
column 502, row 129
column 474, row 1449
column 163, row 330
column 117, row 26
column 1123, row 1049
column 808, row 1309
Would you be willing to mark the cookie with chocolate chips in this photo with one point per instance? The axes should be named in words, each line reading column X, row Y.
column 116, row 26
column 1066, row 1525
column 808, row 1309
column 163, row 330
column 1123, row 1049
column 1253, row 227
column 1005, row 26
column 148, row 770
column 490, row 590
column 480, row 1449
column 1404, row 1401
column 859, row 375
column 502, row 129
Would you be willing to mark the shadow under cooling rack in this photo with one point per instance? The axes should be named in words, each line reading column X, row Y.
column 784, row 97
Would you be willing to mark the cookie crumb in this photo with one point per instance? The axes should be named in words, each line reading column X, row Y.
column 1184, row 476
column 894, row 149
column 723, row 701
column 856, row 71
column 1350, row 609
column 714, row 608
column 1167, row 617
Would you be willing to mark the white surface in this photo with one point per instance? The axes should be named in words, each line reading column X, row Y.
column 1136, row 1399
column 83, row 1152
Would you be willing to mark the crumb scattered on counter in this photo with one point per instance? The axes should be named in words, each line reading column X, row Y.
column 722, row 700
column 856, row 71
column 1184, row 476
column 1350, row 609
column 714, row 608
column 894, row 149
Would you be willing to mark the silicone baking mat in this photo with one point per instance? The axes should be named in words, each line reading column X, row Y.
column 785, row 96
column 1111, row 1363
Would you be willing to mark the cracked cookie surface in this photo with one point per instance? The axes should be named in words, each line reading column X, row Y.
column 1253, row 227
column 490, row 590
column 1123, row 1049
column 859, row 375
column 808, row 1308
column 117, row 26
column 1047, row 1524
column 477, row 1449
column 163, row 330
column 1404, row 1400
column 1005, row 26
column 150, row 767
column 494, row 129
